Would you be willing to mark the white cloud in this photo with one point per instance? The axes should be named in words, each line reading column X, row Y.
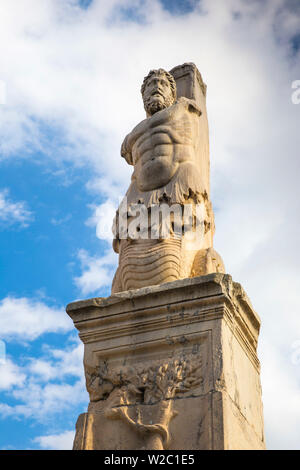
column 58, row 363
column 102, row 218
column 63, row 441
column 10, row 375
column 46, row 400
column 104, row 213
column 70, row 82
column 2, row 92
column 13, row 212
column 281, row 400
column 60, row 221
column 81, row 74
column 43, row 401
column 44, row 386
column 97, row 271
column 25, row 319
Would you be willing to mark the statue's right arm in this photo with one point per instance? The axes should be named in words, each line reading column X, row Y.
column 131, row 138
column 126, row 150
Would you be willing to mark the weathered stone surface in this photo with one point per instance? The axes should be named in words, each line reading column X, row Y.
column 170, row 357
column 169, row 151
column 171, row 366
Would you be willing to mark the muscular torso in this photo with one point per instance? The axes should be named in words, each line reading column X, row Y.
column 160, row 143
column 156, row 147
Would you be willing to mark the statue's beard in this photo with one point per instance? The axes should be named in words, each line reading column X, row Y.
column 153, row 105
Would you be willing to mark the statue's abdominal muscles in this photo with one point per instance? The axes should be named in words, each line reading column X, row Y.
column 158, row 152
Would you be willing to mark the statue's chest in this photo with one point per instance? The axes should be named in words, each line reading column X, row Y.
column 174, row 117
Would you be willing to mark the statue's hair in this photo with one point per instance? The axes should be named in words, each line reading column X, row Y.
column 160, row 72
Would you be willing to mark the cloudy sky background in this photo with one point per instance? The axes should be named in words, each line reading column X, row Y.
column 69, row 90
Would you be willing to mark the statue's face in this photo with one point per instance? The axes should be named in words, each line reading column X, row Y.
column 157, row 94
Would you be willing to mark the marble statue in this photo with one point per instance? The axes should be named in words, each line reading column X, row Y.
column 169, row 153
column 170, row 358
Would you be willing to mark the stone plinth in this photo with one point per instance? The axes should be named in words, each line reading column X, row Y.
column 171, row 367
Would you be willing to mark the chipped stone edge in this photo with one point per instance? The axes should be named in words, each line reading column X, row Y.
column 134, row 293
column 232, row 289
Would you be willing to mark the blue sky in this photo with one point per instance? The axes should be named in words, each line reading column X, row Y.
column 72, row 72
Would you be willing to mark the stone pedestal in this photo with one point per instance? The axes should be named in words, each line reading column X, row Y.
column 171, row 367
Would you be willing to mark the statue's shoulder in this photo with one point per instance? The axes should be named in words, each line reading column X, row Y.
column 139, row 129
column 131, row 138
column 189, row 105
